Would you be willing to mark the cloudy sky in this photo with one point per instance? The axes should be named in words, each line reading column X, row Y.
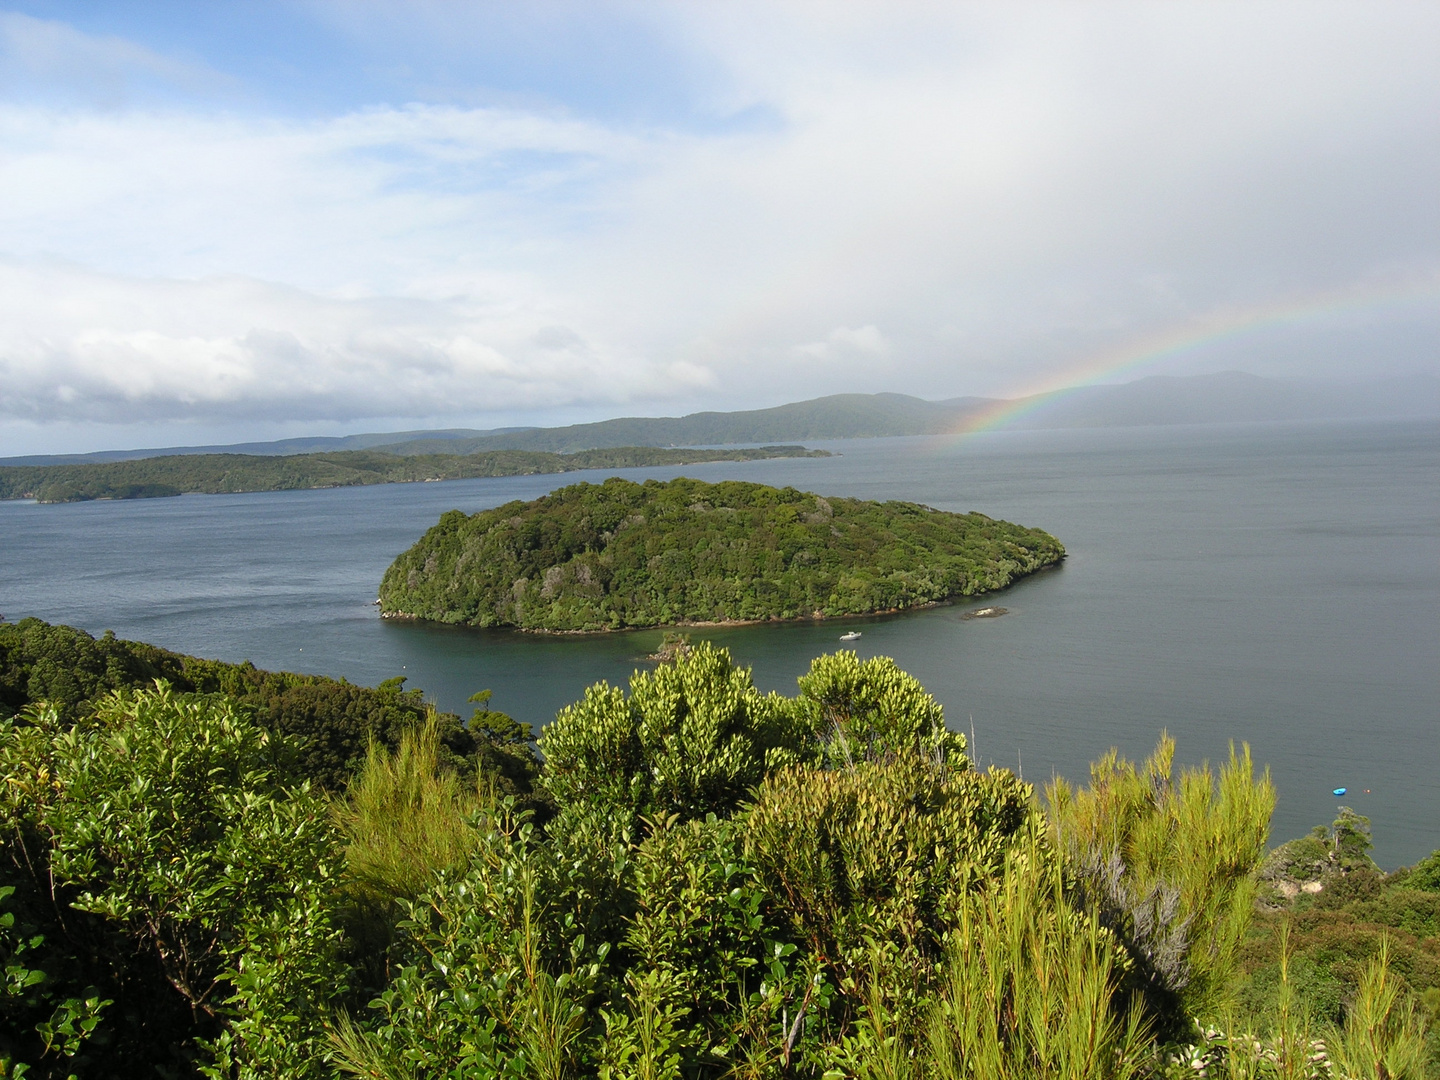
column 244, row 220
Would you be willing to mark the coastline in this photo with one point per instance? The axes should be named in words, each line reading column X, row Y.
column 727, row 624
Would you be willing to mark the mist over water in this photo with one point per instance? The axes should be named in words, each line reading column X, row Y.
column 1277, row 584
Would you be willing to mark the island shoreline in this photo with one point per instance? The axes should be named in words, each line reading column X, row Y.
column 726, row 624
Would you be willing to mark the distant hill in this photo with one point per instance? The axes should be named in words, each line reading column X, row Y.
column 1226, row 397
column 839, row 416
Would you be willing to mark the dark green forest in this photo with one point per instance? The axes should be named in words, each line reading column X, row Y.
column 332, row 721
column 213, row 474
column 699, row 881
column 621, row 554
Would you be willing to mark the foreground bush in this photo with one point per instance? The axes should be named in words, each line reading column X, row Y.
column 166, row 890
column 1170, row 865
column 724, row 884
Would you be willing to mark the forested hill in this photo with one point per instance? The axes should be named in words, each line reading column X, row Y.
column 1223, row 397
column 620, row 554
column 839, row 416
column 218, row 473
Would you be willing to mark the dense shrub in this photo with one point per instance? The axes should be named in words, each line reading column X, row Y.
column 1327, row 899
column 866, row 710
column 167, row 887
column 1425, row 874
column 881, row 851
column 692, row 738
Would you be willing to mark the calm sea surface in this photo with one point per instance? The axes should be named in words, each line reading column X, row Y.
column 1273, row 584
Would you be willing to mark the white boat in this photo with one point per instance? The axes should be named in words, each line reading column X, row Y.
column 851, row 636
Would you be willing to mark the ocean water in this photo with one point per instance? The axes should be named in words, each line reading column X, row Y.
column 1271, row 584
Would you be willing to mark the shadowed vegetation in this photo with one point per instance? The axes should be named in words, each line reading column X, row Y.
column 333, row 721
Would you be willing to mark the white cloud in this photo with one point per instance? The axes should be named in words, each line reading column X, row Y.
column 77, row 345
column 1006, row 190
column 864, row 343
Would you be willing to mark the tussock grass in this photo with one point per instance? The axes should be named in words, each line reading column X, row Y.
column 1383, row 1037
column 1029, row 986
column 1170, row 865
column 406, row 817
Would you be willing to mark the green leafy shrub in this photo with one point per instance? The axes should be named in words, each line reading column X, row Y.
column 157, row 849
column 881, row 851
column 732, row 884
column 495, row 974
column 1425, row 874
column 865, row 710
column 692, row 738
column 698, row 948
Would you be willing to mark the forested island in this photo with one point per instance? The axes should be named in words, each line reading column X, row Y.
column 609, row 556
column 244, row 874
column 213, row 474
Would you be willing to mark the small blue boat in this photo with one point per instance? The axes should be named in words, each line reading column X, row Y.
column 1339, row 791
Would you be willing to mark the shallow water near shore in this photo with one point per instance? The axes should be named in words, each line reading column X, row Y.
column 1277, row 584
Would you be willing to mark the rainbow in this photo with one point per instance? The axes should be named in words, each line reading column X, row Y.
column 1220, row 326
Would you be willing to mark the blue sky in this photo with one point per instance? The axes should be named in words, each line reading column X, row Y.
column 242, row 220
column 318, row 59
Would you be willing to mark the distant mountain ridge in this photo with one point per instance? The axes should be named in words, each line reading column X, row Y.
column 839, row 416
column 1225, row 397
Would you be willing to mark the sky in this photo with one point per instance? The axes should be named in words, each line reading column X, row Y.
column 232, row 221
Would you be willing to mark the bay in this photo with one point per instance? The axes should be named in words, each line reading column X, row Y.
column 1276, row 584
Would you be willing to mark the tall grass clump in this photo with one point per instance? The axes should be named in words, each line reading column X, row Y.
column 1030, row 985
column 1293, row 1052
column 1169, row 865
column 406, row 816
column 1383, row 1036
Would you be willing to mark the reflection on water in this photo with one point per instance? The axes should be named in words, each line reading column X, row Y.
column 1276, row 584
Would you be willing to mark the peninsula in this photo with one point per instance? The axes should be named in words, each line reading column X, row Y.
column 214, row 474
column 615, row 555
